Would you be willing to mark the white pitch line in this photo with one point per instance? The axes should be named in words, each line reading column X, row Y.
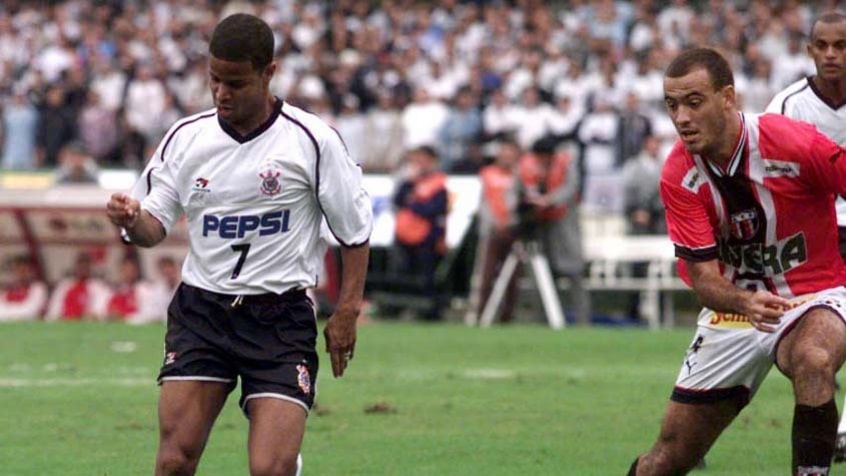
column 67, row 382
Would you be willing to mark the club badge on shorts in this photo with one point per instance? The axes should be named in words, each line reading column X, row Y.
column 270, row 183
column 303, row 379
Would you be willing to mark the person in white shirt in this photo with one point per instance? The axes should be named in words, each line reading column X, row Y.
column 255, row 177
column 25, row 297
column 821, row 100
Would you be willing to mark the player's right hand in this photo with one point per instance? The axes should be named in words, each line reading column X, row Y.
column 123, row 211
column 764, row 310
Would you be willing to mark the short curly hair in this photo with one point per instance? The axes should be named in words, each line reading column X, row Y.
column 242, row 37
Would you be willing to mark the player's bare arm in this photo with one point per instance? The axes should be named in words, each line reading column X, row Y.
column 143, row 229
column 762, row 308
column 340, row 331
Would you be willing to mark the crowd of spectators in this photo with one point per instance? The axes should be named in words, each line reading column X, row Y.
column 83, row 294
column 390, row 76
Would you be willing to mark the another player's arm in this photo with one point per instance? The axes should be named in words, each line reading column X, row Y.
column 762, row 308
column 340, row 331
column 142, row 228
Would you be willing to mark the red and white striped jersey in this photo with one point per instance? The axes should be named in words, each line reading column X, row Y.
column 801, row 100
column 768, row 215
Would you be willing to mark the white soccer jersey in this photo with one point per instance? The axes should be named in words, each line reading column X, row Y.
column 802, row 101
column 254, row 204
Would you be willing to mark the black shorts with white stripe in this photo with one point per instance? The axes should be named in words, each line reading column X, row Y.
column 267, row 340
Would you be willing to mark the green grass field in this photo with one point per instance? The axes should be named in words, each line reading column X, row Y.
column 80, row 399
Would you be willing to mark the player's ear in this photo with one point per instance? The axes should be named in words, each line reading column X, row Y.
column 729, row 96
column 269, row 71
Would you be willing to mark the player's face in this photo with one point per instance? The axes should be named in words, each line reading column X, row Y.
column 828, row 49
column 698, row 111
column 239, row 91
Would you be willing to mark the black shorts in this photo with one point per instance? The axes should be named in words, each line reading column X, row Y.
column 267, row 340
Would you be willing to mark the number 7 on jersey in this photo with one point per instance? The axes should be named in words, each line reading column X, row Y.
column 243, row 248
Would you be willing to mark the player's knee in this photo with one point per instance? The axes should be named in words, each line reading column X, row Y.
column 174, row 462
column 276, row 465
column 813, row 362
column 669, row 457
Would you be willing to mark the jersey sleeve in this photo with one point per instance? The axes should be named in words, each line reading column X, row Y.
column 162, row 199
column 340, row 193
column 827, row 160
column 687, row 219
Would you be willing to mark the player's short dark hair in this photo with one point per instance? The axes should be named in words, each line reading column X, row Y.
column 828, row 17
column 427, row 150
column 242, row 37
column 706, row 58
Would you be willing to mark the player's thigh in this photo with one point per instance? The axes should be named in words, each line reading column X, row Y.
column 818, row 338
column 277, row 427
column 187, row 411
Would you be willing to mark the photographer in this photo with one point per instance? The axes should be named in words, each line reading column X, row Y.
column 548, row 214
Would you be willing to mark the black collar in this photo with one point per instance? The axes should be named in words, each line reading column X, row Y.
column 277, row 108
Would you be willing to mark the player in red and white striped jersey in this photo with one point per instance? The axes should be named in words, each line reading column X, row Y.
column 750, row 209
column 821, row 100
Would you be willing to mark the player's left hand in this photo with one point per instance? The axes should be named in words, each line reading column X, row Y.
column 340, row 334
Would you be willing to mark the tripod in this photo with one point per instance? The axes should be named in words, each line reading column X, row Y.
column 523, row 251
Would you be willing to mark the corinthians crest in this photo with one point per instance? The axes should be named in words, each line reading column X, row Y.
column 270, row 183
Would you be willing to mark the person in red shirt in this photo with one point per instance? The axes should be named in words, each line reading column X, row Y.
column 548, row 213
column 750, row 209
column 496, row 225
column 25, row 297
column 80, row 296
column 421, row 209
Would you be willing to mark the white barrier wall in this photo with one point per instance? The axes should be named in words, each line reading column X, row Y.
column 55, row 224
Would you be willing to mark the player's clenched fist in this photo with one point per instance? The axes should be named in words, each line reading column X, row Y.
column 122, row 210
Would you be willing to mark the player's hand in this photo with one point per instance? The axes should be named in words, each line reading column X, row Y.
column 764, row 310
column 123, row 211
column 340, row 334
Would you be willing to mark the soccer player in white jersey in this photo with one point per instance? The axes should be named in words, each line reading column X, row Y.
column 821, row 100
column 254, row 177
column 750, row 209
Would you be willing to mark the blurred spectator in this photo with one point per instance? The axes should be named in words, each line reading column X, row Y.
column 633, row 127
column 164, row 284
column 351, row 124
column 532, row 117
column 498, row 117
column 79, row 296
column 549, row 182
column 125, row 299
column 56, row 126
column 598, row 135
column 497, row 219
column 145, row 104
column 462, row 128
column 25, row 298
column 421, row 207
column 642, row 203
column 383, row 147
column 76, row 167
column 422, row 119
column 98, row 129
column 20, row 122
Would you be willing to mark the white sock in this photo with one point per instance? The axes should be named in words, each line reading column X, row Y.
column 299, row 465
column 841, row 428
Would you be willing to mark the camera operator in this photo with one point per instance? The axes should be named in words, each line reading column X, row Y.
column 548, row 214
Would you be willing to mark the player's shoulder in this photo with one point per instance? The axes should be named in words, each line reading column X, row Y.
column 308, row 123
column 788, row 96
column 679, row 161
column 194, row 121
column 784, row 134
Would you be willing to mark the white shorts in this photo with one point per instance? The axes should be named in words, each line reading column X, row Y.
column 729, row 358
